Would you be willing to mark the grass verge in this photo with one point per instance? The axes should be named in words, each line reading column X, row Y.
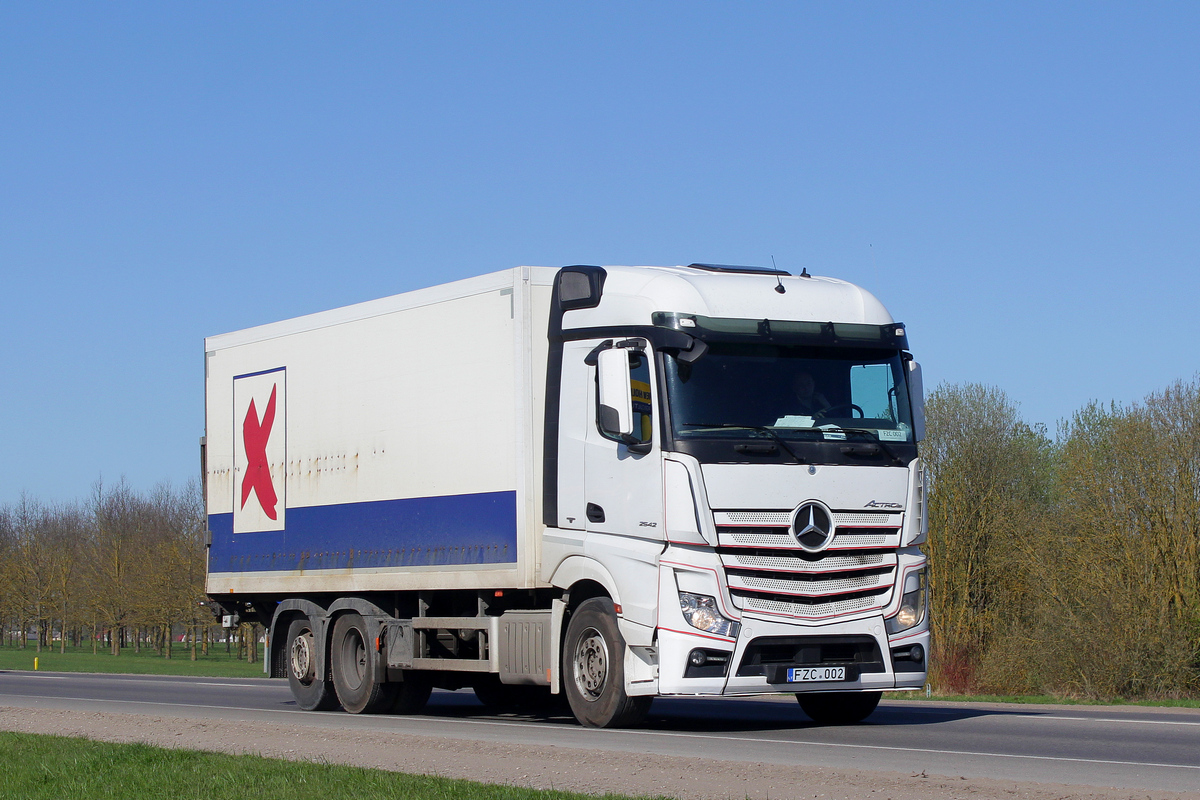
column 53, row 767
column 217, row 664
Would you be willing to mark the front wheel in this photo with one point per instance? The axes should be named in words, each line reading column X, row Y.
column 355, row 668
column 594, row 669
column 311, row 694
column 839, row 708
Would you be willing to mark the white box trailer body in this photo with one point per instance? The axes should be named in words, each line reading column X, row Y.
column 403, row 450
column 613, row 482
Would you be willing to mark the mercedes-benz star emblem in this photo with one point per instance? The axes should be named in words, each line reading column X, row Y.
column 813, row 527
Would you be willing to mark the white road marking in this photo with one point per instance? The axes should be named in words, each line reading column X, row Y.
column 157, row 703
column 1137, row 721
column 1017, row 714
column 245, row 685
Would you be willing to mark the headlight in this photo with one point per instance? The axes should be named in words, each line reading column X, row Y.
column 701, row 612
column 912, row 608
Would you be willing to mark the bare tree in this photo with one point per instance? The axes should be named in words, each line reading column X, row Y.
column 1122, row 616
column 114, row 548
column 990, row 475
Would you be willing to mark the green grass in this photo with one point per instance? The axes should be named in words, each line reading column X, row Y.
column 215, row 665
column 56, row 767
column 1040, row 698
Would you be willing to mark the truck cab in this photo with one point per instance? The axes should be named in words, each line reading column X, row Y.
column 734, row 459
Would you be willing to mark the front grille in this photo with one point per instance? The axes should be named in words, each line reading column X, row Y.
column 787, row 608
column 768, row 572
column 809, row 586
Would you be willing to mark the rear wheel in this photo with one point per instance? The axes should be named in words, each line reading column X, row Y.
column 839, row 708
column 356, row 667
column 594, row 669
column 311, row 694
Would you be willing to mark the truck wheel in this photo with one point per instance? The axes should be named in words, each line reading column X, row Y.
column 594, row 669
column 310, row 693
column 838, row 708
column 355, row 668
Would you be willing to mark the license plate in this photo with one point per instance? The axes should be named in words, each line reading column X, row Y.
column 808, row 674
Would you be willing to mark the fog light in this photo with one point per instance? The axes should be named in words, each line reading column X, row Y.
column 704, row 663
column 914, row 653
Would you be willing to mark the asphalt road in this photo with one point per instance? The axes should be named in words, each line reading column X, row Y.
column 1134, row 748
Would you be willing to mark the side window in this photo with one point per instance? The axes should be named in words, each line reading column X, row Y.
column 871, row 390
column 643, row 401
column 642, row 397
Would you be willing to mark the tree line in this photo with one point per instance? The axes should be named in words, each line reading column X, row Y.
column 122, row 569
column 1065, row 564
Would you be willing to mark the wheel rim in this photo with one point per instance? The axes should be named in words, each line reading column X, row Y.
column 590, row 664
column 354, row 658
column 301, row 657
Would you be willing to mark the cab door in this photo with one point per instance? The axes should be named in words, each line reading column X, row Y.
column 623, row 485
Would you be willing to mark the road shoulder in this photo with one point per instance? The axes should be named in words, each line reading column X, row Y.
column 541, row 767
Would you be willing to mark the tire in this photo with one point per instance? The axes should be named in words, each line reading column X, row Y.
column 594, row 669
column 356, row 667
column 838, row 708
column 300, row 663
column 412, row 693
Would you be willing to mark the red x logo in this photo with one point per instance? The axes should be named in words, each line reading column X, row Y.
column 258, row 472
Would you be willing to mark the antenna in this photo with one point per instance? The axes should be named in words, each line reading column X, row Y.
column 778, row 286
column 804, row 272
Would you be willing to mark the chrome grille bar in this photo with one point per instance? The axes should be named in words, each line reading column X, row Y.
column 768, row 572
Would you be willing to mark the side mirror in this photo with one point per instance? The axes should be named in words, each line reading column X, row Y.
column 616, row 404
column 916, row 398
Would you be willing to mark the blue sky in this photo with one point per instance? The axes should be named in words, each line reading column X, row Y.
column 1018, row 182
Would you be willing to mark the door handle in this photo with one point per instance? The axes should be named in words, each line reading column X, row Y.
column 595, row 513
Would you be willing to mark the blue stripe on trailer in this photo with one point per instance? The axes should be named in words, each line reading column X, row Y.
column 415, row 532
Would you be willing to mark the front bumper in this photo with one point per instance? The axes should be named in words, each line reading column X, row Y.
column 889, row 672
column 763, row 648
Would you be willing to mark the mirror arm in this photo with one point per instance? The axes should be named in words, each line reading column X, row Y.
column 592, row 357
column 635, row 445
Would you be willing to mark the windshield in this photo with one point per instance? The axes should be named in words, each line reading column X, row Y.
column 790, row 392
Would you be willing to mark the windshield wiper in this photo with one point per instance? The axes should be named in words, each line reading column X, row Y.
column 759, row 428
column 874, row 435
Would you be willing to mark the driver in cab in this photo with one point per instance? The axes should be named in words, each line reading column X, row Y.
column 809, row 402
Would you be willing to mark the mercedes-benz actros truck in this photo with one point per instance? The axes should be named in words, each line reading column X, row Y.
column 608, row 483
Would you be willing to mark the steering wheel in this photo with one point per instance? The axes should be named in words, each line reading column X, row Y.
column 826, row 412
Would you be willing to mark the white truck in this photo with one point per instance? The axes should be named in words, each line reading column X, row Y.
column 613, row 483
